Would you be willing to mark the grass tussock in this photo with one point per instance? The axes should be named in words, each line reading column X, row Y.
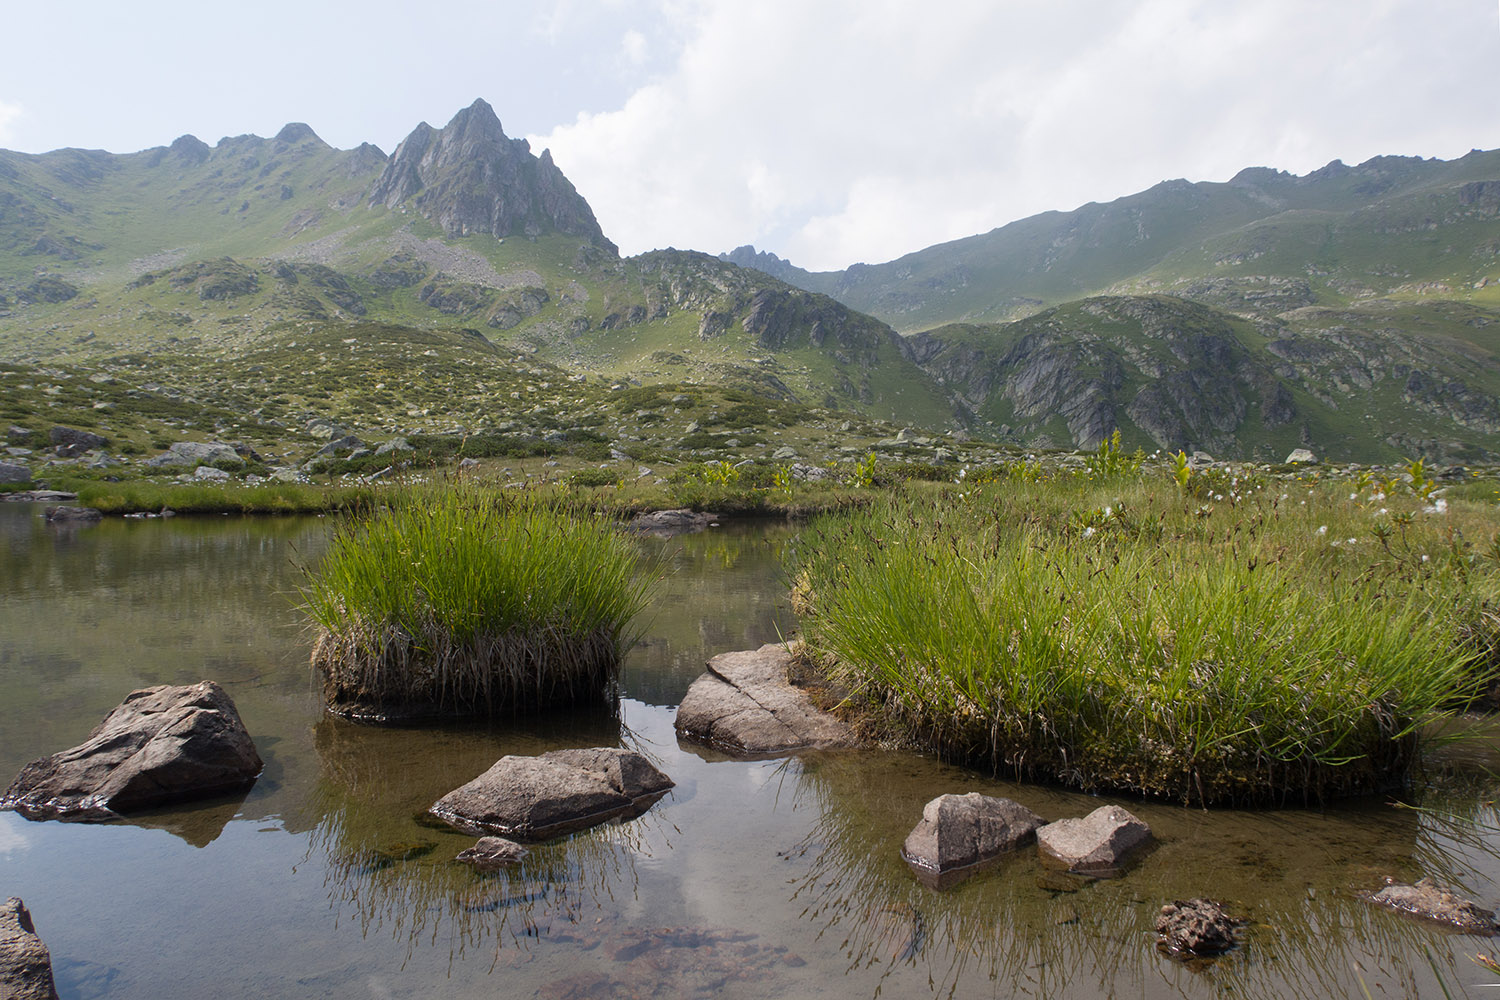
column 142, row 496
column 1128, row 636
column 461, row 603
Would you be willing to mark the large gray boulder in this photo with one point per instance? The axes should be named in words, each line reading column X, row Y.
column 70, row 441
column 744, row 704
column 1100, row 842
column 535, row 798
column 196, row 453
column 1431, row 901
column 160, row 745
column 959, row 832
column 10, row 473
column 25, row 963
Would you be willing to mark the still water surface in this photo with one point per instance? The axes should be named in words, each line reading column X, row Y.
column 750, row 879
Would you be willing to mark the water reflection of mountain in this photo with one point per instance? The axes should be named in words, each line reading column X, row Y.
column 1294, row 873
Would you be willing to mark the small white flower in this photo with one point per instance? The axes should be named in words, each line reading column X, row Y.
column 1424, row 557
column 1354, row 496
column 1109, row 511
column 1381, row 512
column 1088, row 532
column 1322, row 529
column 1353, row 541
column 1218, row 496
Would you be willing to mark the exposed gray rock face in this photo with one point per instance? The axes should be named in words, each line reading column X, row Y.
column 469, row 177
column 667, row 523
column 14, row 473
column 348, row 442
column 534, row 798
column 959, row 832
column 1102, row 841
column 1199, row 926
column 744, row 704
column 25, row 963
column 161, row 744
column 69, row 441
column 1431, row 901
column 394, row 444
column 1300, row 456
column 492, row 852
column 196, row 452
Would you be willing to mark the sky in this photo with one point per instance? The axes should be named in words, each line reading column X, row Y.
column 825, row 131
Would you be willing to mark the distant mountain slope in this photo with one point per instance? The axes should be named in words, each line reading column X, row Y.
column 1389, row 226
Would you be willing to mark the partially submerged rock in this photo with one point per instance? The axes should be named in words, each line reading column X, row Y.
column 160, row 745
column 25, row 963
column 667, row 523
column 1431, row 901
column 492, row 852
column 534, row 798
column 72, row 514
column 958, row 833
column 1197, row 926
column 1099, row 843
column 745, row 704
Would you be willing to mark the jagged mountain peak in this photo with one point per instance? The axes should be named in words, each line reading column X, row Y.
column 470, row 177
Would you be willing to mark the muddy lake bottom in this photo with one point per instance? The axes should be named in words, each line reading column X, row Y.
column 776, row 878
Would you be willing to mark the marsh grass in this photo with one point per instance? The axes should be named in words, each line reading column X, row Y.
column 140, row 496
column 1128, row 637
column 458, row 602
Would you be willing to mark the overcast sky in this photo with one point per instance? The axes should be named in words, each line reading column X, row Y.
column 825, row 131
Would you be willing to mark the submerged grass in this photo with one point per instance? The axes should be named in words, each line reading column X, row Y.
column 1125, row 636
column 464, row 603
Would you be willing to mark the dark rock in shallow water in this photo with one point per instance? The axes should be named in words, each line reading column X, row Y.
column 1430, row 901
column 960, row 832
column 668, row 523
column 160, row 745
column 492, row 852
column 534, row 798
column 25, row 963
column 1198, row 926
column 72, row 514
column 744, row 703
column 1102, row 842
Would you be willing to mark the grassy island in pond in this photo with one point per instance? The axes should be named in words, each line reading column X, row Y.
column 1257, row 643
column 459, row 603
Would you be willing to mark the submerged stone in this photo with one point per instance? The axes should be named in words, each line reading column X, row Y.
column 1198, row 926
column 1431, row 901
column 535, row 798
column 744, row 704
column 960, row 832
column 1100, row 842
column 160, row 745
column 25, row 963
column 492, row 852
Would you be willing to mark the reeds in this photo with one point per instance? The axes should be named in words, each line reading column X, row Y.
column 460, row 603
column 1147, row 648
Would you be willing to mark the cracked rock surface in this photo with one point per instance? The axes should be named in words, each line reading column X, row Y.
column 744, row 704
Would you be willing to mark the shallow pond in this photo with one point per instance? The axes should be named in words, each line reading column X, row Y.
column 750, row 879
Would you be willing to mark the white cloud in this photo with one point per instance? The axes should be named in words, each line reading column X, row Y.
column 8, row 114
column 848, row 130
column 633, row 47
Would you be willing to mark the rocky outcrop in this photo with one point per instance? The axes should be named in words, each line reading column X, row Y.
column 744, row 704
column 535, row 798
column 69, row 441
column 1431, row 901
column 25, row 963
column 1196, row 926
column 469, row 177
column 160, row 745
column 959, row 833
column 489, row 853
column 14, row 473
column 1102, row 842
column 191, row 453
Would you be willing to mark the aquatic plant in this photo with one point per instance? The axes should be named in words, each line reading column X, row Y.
column 1142, row 645
column 462, row 603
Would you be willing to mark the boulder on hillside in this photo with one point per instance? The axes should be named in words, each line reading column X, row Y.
column 25, row 963
column 14, row 473
column 744, row 704
column 1431, row 901
column 1300, row 456
column 160, row 745
column 196, row 453
column 69, row 442
column 958, row 833
column 348, row 442
column 1099, row 843
column 1196, row 926
column 535, row 798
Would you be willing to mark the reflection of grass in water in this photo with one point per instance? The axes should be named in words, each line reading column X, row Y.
column 1311, row 936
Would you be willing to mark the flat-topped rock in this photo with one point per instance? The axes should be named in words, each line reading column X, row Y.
column 535, row 798
column 160, row 745
column 1100, row 842
column 25, row 963
column 1431, row 901
column 492, row 852
column 958, row 833
column 744, row 704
